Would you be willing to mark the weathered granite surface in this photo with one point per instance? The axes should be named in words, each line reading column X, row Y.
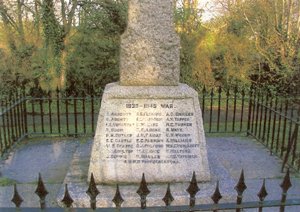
column 156, row 130
column 150, row 46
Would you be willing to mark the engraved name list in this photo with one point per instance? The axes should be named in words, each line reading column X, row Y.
column 142, row 131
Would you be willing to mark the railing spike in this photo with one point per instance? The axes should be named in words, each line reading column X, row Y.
column 286, row 183
column 17, row 199
column 143, row 191
column 92, row 192
column 241, row 186
column 216, row 197
column 168, row 198
column 67, row 200
column 41, row 191
column 193, row 190
column 118, row 200
column 262, row 194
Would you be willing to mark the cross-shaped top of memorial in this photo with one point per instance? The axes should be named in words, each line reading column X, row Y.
column 150, row 46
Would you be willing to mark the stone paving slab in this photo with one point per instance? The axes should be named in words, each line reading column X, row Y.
column 227, row 156
column 50, row 158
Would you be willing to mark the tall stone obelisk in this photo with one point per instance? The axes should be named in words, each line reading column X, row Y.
column 150, row 45
column 149, row 122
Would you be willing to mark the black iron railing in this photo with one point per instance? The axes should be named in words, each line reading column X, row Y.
column 144, row 190
column 224, row 111
column 271, row 119
column 274, row 121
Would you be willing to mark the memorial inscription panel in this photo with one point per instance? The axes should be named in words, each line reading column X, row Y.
column 153, row 130
column 161, row 137
column 141, row 131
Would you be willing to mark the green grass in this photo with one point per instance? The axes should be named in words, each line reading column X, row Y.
column 6, row 181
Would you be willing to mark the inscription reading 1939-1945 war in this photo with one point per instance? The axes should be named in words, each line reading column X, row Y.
column 141, row 131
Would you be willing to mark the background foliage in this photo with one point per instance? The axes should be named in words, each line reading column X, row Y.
column 45, row 44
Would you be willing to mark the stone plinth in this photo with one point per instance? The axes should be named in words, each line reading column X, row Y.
column 156, row 130
column 150, row 46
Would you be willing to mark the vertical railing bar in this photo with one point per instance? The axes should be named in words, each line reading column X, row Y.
column 8, row 123
column 242, row 110
column 265, row 117
column 58, row 100
column 269, row 121
column 240, row 188
column 67, row 113
column 279, row 127
column 249, row 111
column 50, row 111
column 4, row 130
column 23, row 114
column 1, row 127
column 11, row 118
column 211, row 108
column 234, row 108
column 274, row 125
column 257, row 111
column 14, row 111
column 285, row 185
column 92, row 113
column 203, row 102
column 291, row 123
column 289, row 148
column 226, row 112
column 83, row 115
column 295, row 141
column 25, row 111
column 254, row 106
column 1, row 141
column 75, row 115
column 42, row 115
column 33, row 114
column 219, row 108
column 19, row 116
column 284, row 129
column 261, row 115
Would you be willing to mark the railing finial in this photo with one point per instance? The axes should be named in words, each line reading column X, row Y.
column 143, row 191
column 67, row 200
column 41, row 191
column 168, row 198
column 118, row 200
column 216, row 197
column 17, row 199
column 193, row 190
column 92, row 192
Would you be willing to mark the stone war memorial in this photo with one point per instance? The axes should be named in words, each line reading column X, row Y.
column 149, row 123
